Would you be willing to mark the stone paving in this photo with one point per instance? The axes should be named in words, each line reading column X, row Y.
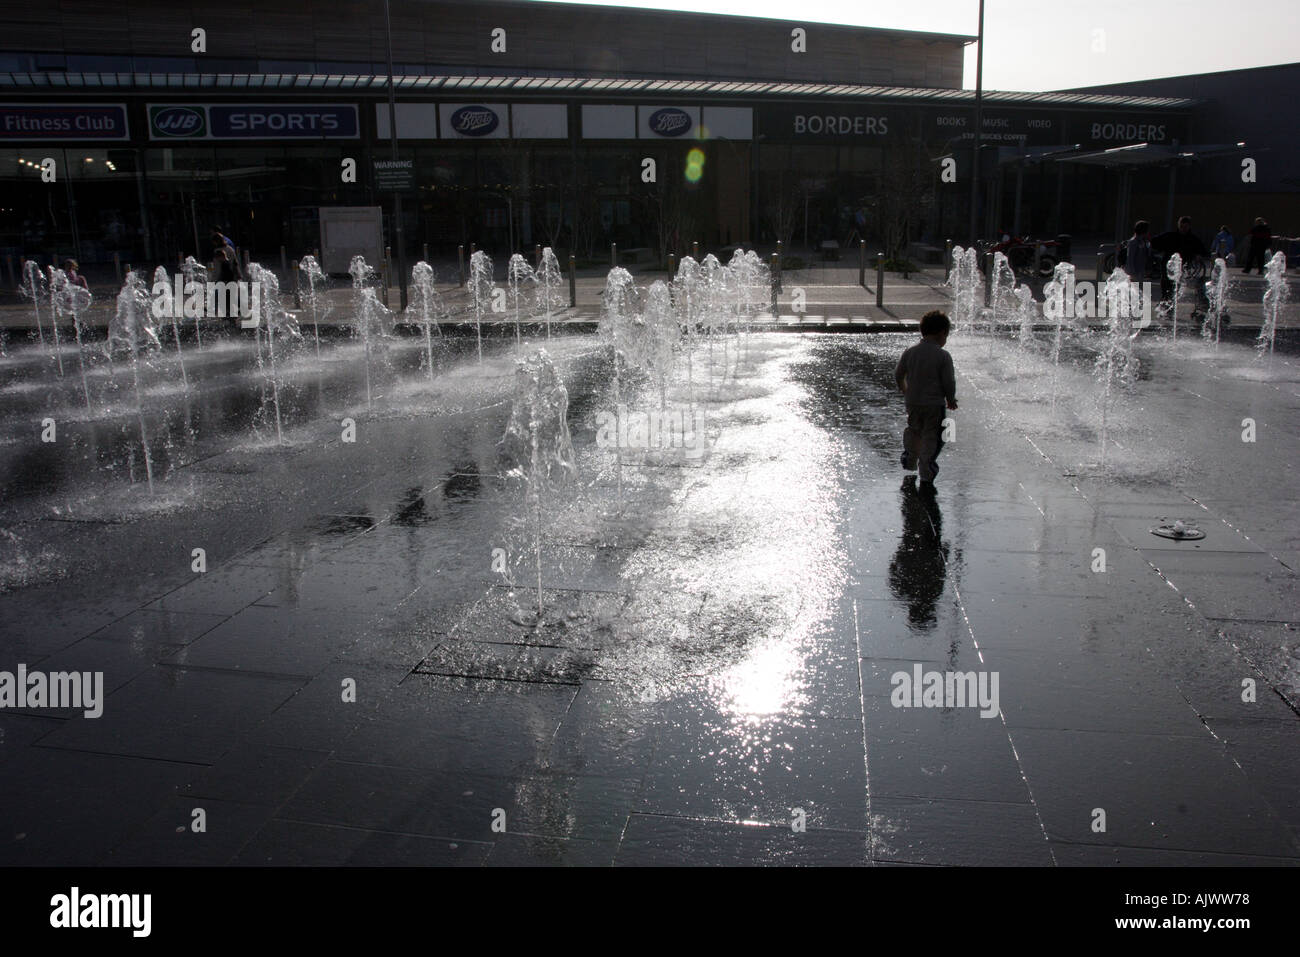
column 723, row 664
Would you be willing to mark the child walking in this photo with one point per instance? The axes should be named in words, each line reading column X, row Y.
column 926, row 378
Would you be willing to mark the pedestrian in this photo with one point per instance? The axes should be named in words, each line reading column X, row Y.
column 926, row 378
column 70, row 267
column 222, row 241
column 1182, row 241
column 1223, row 244
column 1261, row 238
column 1137, row 252
column 222, row 269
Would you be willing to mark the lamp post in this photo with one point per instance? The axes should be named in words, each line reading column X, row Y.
column 392, row 134
column 979, row 129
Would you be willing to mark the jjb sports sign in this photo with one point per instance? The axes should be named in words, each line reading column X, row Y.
column 252, row 121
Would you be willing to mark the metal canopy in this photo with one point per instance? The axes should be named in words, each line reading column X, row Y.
column 1033, row 154
column 550, row 85
column 1152, row 154
column 1126, row 160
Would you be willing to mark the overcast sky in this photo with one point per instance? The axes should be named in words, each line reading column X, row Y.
column 1038, row 45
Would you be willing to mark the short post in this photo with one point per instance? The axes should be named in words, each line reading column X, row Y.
column 316, row 254
column 473, row 248
column 947, row 257
column 424, row 252
column 297, row 286
column 128, row 269
column 537, row 256
column 778, row 269
column 880, row 280
column 284, row 263
column 862, row 263
column 388, row 271
column 695, row 250
column 117, row 267
column 672, row 266
column 573, row 280
column 460, row 254
column 244, row 253
column 776, row 280
column 1101, row 255
column 988, row 277
column 613, row 255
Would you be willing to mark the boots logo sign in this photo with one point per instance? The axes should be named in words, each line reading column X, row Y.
column 474, row 121
column 177, row 122
column 669, row 121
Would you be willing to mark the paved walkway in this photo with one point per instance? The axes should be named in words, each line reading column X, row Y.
column 725, row 629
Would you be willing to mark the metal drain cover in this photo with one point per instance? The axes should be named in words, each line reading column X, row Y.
column 1179, row 531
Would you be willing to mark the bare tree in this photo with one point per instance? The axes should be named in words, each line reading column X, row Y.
column 787, row 204
column 667, row 205
column 904, row 195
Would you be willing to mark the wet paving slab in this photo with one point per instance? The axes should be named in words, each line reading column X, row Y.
column 359, row 675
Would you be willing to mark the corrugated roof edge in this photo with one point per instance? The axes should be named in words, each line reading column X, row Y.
column 598, row 85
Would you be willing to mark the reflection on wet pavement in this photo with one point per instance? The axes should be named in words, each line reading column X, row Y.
column 721, row 631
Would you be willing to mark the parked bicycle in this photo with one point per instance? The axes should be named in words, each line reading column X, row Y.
column 1027, row 257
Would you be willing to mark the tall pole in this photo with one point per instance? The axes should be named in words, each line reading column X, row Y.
column 392, row 134
column 979, row 129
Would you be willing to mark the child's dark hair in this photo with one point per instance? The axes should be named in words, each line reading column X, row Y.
column 1141, row 227
column 935, row 323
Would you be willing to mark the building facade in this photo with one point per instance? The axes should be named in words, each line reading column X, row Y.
column 523, row 123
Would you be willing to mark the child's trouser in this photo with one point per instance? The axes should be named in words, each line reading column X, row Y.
column 922, row 439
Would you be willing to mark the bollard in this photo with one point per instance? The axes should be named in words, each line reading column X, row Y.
column 695, row 250
column 284, row 263
column 316, row 255
column 473, row 248
column 862, row 263
column 244, row 253
column 573, row 280
column 297, row 286
column 1101, row 255
column 778, row 270
column 776, row 280
column 947, row 257
column 880, row 280
column 613, row 255
column 460, row 255
column 425, row 252
column 117, row 267
column 383, row 279
column 128, row 269
column 537, row 256
column 988, row 275
column 672, row 266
